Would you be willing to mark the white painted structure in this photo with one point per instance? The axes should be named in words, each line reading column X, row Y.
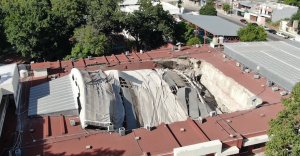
column 78, row 88
column 133, row 5
column 41, row 72
column 255, row 140
column 9, row 84
column 9, row 80
column 210, row 147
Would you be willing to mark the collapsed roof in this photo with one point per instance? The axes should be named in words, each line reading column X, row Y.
column 130, row 99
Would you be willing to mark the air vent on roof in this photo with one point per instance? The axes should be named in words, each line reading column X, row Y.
column 110, row 128
column 122, row 131
column 200, row 120
column 212, row 113
column 126, row 53
column 72, row 122
column 141, row 51
column 90, row 57
column 275, row 89
column 269, row 83
column 256, row 76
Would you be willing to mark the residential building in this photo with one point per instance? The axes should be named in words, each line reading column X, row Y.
column 260, row 12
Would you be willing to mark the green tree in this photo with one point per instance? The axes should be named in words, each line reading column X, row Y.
column 193, row 41
column 26, row 24
column 2, row 35
column 284, row 131
column 226, row 7
column 296, row 16
column 292, row 2
column 252, row 33
column 88, row 42
column 105, row 15
column 40, row 28
column 183, row 32
column 150, row 26
column 208, row 9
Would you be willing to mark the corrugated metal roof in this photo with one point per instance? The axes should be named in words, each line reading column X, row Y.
column 53, row 97
column 213, row 24
column 279, row 61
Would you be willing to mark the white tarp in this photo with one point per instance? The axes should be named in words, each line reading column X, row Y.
column 152, row 98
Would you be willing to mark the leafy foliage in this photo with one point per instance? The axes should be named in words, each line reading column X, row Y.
column 226, row 7
column 292, row 2
column 23, row 31
column 193, row 41
column 284, row 130
column 252, row 33
column 208, row 9
column 183, row 32
column 2, row 35
column 89, row 42
column 105, row 15
column 37, row 28
column 150, row 26
column 296, row 16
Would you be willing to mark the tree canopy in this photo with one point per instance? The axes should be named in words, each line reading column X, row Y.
column 193, row 41
column 296, row 16
column 208, row 9
column 285, row 129
column 226, row 7
column 292, row 2
column 183, row 32
column 150, row 26
column 105, row 15
column 37, row 28
column 54, row 29
column 88, row 42
column 252, row 33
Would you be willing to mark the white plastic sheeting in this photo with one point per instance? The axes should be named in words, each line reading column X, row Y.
column 152, row 101
column 103, row 105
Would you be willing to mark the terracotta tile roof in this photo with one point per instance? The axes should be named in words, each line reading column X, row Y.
column 95, row 61
column 164, row 138
column 40, row 65
column 156, row 142
column 123, row 58
column 80, row 64
column 68, row 64
column 187, row 132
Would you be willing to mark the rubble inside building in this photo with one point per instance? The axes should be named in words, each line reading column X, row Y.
column 131, row 99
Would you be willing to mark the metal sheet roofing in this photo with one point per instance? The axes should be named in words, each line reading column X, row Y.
column 213, row 24
column 52, row 97
column 279, row 61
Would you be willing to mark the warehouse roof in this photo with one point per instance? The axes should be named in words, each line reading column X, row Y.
column 53, row 97
column 279, row 61
column 213, row 24
column 51, row 133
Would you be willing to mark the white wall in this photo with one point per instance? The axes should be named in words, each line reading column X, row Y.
column 229, row 95
column 209, row 147
column 40, row 72
column 9, row 82
column 78, row 87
